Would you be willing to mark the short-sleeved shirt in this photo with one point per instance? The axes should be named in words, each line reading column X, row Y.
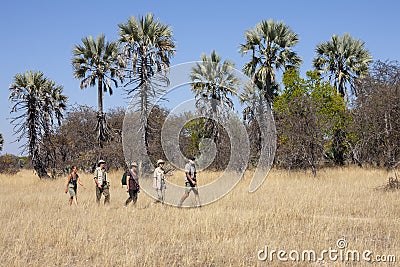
column 191, row 169
column 101, row 176
column 133, row 180
column 159, row 177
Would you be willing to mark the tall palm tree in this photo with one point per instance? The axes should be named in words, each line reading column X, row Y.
column 95, row 62
column 270, row 44
column 345, row 59
column 213, row 82
column 147, row 49
column 39, row 101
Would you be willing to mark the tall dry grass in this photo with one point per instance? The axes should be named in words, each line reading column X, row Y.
column 291, row 211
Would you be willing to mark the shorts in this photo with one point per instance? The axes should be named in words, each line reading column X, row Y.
column 191, row 188
column 72, row 190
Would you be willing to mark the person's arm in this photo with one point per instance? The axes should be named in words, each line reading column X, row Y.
column 79, row 181
column 66, row 186
column 128, row 176
column 95, row 179
column 138, row 185
column 193, row 182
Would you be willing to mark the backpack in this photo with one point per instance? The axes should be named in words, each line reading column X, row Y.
column 123, row 179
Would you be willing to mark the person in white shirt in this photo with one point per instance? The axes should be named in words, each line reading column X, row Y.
column 102, row 182
column 159, row 180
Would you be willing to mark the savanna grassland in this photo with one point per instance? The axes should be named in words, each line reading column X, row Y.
column 291, row 211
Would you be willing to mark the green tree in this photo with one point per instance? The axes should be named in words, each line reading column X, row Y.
column 39, row 101
column 213, row 82
column 147, row 49
column 95, row 62
column 345, row 60
column 307, row 113
column 270, row 44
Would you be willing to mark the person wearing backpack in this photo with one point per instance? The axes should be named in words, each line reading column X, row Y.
column 102, row 183
column 72, row 185
column 132, row 184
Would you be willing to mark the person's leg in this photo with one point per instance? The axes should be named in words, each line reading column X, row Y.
column 159, row 195
column 98, row 194
column 184, row 197
column 134, row 197
column 197, row 197
column 163, row 194
column 128, row 201
column 106, row 193
column 71, row 194
column 129, row 198
column 75, row 197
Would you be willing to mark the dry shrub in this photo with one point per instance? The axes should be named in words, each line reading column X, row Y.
column 392, row 184
column 9, row 164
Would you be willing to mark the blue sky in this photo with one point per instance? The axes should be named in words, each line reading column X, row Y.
column 40, row 35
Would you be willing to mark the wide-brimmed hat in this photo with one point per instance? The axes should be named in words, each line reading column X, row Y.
column 100, row 161
column 160, row 161
column 134, row 164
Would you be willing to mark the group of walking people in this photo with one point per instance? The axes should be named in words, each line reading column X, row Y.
column 102, row 183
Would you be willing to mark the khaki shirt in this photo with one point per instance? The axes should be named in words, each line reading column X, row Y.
column 101, row 176
column 158, row 179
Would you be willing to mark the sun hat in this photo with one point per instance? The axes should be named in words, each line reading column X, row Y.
column 134, row 164
column 100, row 161
column 160, row 161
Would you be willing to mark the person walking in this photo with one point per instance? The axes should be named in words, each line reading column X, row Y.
column 159, row 181
column 190, row 181
column 72, row 185
column 102, row 182
column 132, row 184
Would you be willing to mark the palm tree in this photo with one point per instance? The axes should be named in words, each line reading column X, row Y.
column 270, row 44
column 95, row 62
column 147, row 49
column 345, row 60
column 212, row 82
column 41, row 101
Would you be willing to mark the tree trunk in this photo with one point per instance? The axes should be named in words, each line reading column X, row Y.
column 268, row 87
column 38, row 165
column 100, row 95
column 388, row 160
column 338, row 147
column 103, row 134
column 214, row 120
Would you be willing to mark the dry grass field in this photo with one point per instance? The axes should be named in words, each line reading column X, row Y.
column 291, row 211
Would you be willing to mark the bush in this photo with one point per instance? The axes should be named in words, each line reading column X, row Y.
column 10, row 164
